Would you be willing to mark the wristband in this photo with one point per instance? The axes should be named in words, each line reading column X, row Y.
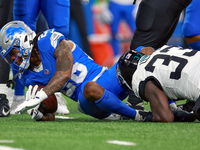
column 38, row 116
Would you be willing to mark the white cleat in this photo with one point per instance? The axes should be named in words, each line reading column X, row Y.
column 17, row 100
column 62, row 104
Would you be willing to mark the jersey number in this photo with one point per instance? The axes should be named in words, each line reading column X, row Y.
column 79, row 73
column 167, row 58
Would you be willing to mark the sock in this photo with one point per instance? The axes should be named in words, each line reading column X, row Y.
column 195, row 45
column 171, row 101
column 110, row 103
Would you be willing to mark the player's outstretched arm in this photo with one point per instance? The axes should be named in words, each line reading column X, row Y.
column 159, row 103
column 147, row 50
column 64, row 63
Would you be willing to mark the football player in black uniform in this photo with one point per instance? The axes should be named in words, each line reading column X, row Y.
column 168, row 73
column 156, row 21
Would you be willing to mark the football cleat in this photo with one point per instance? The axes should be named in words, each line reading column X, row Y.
column 135, row 102
column 17, row 100
column 144, row 116
column 115, row 116
column 187, row 106
column 62, row 104
column 4, row 106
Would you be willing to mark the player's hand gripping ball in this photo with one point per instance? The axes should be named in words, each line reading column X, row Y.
column 49, row 105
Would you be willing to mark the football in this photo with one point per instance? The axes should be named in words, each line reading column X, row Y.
column 49, row 105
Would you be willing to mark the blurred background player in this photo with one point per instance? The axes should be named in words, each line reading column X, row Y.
column 156, row 21
column 116, row 14
column 57, row 15
column 78, row 19
column 121, row 10
column 191, row 25
column 5, row 92
column 191, row 33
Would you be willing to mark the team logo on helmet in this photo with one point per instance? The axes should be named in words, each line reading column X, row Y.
column 13, row 30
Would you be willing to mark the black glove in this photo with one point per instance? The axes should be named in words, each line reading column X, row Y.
column 4, row 106
column 183, row 116
column 145, row 116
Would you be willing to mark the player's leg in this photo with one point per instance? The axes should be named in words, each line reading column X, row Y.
column 57, row 14
column 27, row 11
column 94, row 96
column 191, row 25
column 115, row 10
column 156, row 21
column 107, row 94
column 90, row 108
column 77, row 13
column 130, row 20
column 6, row 8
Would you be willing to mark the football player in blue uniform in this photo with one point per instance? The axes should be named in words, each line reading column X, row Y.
column 57, row 15
column 60, row 65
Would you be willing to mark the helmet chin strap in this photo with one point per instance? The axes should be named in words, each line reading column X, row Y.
column 12, row 83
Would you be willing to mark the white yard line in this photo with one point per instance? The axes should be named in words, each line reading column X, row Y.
column 121, row 142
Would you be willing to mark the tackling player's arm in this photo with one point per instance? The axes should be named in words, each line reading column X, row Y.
column 147, row 50
column 159, row 103
column 64, row 63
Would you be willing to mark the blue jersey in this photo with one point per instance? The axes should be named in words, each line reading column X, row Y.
column 191, row 25
column 84, row 68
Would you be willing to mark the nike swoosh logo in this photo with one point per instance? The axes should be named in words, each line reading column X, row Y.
column 5, row 113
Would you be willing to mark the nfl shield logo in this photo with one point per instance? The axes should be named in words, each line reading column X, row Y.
column 46, row 71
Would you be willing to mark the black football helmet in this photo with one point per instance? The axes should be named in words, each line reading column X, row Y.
column 126, row 67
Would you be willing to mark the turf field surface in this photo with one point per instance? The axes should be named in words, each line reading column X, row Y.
column 20, row 132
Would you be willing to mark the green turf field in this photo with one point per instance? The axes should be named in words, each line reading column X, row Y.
column 19, row 132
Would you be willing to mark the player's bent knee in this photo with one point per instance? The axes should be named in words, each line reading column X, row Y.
column 93, row 91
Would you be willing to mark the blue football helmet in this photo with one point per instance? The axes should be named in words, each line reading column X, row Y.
column 16, row 34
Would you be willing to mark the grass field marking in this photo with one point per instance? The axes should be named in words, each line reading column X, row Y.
column 2, row 147
column 63, row 117
column 121, row 142
column 6, row 141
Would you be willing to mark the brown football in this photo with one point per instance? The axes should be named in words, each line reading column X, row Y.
column 49, row 105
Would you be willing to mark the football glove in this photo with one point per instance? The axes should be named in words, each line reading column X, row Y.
column 32, row 102
column 145, row 116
